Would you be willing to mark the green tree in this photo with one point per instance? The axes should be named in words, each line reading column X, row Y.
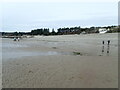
column 46, row 32
column 53, row 32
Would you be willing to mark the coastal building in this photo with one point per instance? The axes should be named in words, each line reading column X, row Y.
column 103, row 30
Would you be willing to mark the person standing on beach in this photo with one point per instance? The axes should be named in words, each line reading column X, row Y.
column 103, row 42
column 18, row 39
column 14, row 39
column 108, row 42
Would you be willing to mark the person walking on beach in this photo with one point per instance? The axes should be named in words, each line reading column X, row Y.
column 14, row 39
column 108, row 42
column 18, row 39
column 103, row 42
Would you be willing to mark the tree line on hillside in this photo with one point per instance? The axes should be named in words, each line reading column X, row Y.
column 63, row 31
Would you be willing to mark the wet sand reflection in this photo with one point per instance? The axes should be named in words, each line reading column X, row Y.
column 105, row 51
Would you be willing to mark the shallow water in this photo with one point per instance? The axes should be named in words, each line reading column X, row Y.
column 18, row 54
column 11, row 49
column 86, row 46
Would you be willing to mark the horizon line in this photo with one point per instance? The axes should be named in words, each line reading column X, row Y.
column 58, row 28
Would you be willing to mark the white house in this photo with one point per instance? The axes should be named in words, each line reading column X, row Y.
column 103, row 30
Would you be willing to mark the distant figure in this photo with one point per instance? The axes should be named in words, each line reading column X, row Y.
column 108, row 42
column 103, row 42
column 14, row 39
column 18, row 39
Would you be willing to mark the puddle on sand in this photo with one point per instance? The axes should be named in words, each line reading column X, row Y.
column 7, row 55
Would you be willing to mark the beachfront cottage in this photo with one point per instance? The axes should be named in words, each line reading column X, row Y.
column 103, row 30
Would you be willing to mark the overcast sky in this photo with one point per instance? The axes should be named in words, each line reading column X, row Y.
column 25, row 15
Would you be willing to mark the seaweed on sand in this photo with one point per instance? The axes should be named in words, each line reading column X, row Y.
column 77, row 53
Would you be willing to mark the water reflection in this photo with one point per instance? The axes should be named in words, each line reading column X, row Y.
column 102, row 49
column 108, row 50
column 19, row 54
column 105, row 51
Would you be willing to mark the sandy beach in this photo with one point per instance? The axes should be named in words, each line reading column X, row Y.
column 65, row 61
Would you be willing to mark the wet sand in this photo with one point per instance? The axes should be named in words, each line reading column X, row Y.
column 67, row 61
